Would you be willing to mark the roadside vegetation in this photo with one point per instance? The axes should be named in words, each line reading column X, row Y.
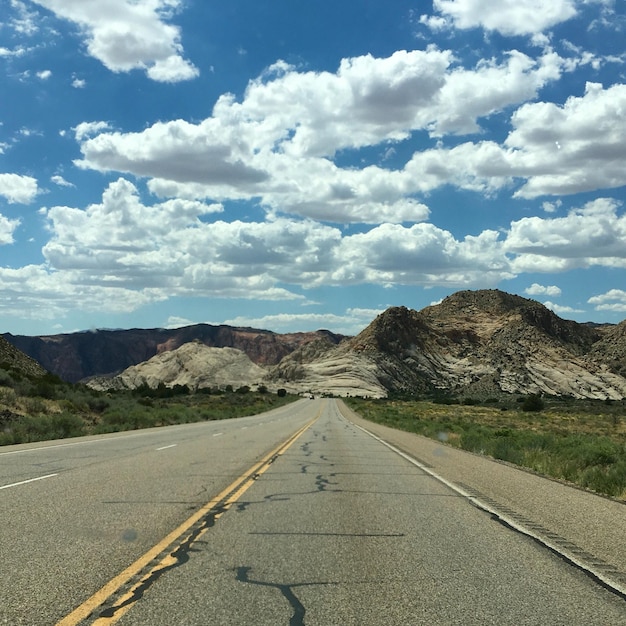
column 579, row 441
column 38, row 409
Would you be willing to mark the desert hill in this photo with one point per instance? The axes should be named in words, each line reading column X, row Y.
column 193, row 364
column 474, row 343
column 13, row 359
column 477, row 343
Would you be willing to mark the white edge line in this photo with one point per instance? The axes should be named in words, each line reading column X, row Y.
column 173, row 445
column 217, row 434
column 67, row 445
column 30, row 480
column 566, row 554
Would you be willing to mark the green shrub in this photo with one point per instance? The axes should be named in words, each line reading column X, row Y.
column 533, row 402
column 6, row 380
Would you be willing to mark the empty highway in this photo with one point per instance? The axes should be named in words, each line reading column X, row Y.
column 296, row 517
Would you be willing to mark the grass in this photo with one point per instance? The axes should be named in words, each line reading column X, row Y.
column 583, row 442
column 44, row 409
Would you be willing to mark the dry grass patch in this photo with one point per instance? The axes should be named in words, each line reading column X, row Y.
column 583, row 442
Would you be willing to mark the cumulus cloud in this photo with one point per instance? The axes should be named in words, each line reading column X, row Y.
column 561, row 309
column 16, row 188
column 126, row 35
column 540, row 290
column 580, row 146
column 612, row 300
column 36, row 292
column 279, row 143
column 176, row 247
column 508, row 17
column 24, row 21
column 557, row 150
column 84, row 130
column 7, row 228
column 592, row 235
column 166, row 250
column 420, row 255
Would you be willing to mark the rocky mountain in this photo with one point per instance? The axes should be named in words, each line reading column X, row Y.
column 472, row 343
column 193, row 364
column 77, row 356
column 13, row 359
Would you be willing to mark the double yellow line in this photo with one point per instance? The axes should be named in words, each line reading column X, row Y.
column 162, row 555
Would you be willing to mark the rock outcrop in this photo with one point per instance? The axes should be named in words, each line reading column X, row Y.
column 193, row 364
column 475, row 343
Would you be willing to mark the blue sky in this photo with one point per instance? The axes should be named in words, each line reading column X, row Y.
column 301, row 165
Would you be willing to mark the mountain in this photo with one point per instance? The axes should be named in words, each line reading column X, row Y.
column 474, row 343
column 13, row 359
column 77, row 356
column 193, row 364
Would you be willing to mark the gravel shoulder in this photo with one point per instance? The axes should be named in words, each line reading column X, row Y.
column 589, row 525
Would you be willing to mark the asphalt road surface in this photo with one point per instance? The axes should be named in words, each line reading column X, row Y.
column 295, row 517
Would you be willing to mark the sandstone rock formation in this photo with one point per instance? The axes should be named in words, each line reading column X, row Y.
column 474, row 343
column 193, row 364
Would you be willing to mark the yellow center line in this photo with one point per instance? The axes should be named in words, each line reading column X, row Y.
column 218, row 505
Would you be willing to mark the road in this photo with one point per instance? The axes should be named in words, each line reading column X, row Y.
column 295, row 517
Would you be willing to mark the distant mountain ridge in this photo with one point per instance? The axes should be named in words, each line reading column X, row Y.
column 474, row 343
column 77, row 356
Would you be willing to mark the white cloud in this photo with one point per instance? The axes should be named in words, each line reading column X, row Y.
column 561, row 309
column 540, row 290
column 122, row 246
column 590, row 132
column 351, row 322
column 84, row 130
column 593, row 235
column 612, row 300
column 79, row 83
column 166, row 250
column 279, row 142
column 44, row 74
column 16, row 52
column 174, row 321
column 420, row 255
column 126, row 35
column 508, row 17
column 35, row 292
column 557, row 150
column 7, row 229
column 25, row 22
column 551, row 207
column 59, row 180
column 18, row 189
